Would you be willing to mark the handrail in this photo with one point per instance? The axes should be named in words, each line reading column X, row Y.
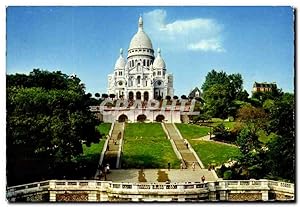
column 173, row 145
column 105, row 147
column 120, row 146
column 116, row 187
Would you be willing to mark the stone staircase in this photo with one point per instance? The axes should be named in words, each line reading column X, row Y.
column 186, row 154
column 113, row 146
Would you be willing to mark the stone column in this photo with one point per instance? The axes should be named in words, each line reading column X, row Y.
column 104, row 196
column 52, row 196
column 52, row 193
column 223, row 196
column 92, row 197
column 265, row 193
column 212, row 196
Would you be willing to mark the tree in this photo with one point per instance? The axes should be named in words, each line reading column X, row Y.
column 104, row 96
column 281, row 154
column 220, row 91
column 217, row 101
column 47, row 120
column 251, row 114
column 243, row 96
column 221, row 132
column 201, row 117
column 213, row 78
column 251, row 160
column 274, row 94
column 112, row 96
column 97, row 95
column 183, row 97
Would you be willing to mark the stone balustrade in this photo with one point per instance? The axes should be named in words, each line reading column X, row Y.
column 219, row 190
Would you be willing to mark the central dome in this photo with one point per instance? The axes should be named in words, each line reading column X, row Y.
column 140, row 39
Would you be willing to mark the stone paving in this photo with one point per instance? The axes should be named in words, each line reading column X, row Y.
column 185, row 152
column 151, row 175
column 114, row 142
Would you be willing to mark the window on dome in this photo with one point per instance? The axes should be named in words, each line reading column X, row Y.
column 144, row 62
column 144, row 50
column 147, row 62
column 120, row 73
column 116, row 74
column 159, row 73
column 154, row 73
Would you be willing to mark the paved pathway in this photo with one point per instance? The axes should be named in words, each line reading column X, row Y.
column 207, row 138
column 114, row 142
column 185, row 152
column 151, row 175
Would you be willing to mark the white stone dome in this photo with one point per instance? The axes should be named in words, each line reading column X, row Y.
column 159, row 61
column 121, row 62
column 140, row 39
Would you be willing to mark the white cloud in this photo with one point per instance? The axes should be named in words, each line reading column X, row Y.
column 207, row 45
column 200, row 34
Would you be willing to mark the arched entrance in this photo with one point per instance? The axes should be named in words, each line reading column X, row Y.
column 160, row 118
column 141, row 118
column 130, row 95
column 138, row 95
column 146, row 96
column 123, row 118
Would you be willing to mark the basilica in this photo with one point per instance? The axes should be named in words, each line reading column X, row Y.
column 142, row 76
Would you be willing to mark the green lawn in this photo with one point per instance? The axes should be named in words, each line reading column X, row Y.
column 146, row 146
column 214, row 153
column 104, row 128
column 192, row 131
column 94, row 149
column 87, row 162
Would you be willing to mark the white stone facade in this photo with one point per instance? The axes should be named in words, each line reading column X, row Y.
column 132, row 115
column 142, row 76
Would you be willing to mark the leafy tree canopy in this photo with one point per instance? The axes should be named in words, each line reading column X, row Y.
column 47, row 121
column 221, row 91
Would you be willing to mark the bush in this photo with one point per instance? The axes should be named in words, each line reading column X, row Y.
column 223, row 134
column 227, row 175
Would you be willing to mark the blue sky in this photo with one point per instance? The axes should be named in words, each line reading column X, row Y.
column 257, row 42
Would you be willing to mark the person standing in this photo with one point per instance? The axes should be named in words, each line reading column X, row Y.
column 181, row 166
column 193, row 166
column 169, row 166
column 186, row 144
column 203, row 179
column 105, row 172
column 107, row 168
